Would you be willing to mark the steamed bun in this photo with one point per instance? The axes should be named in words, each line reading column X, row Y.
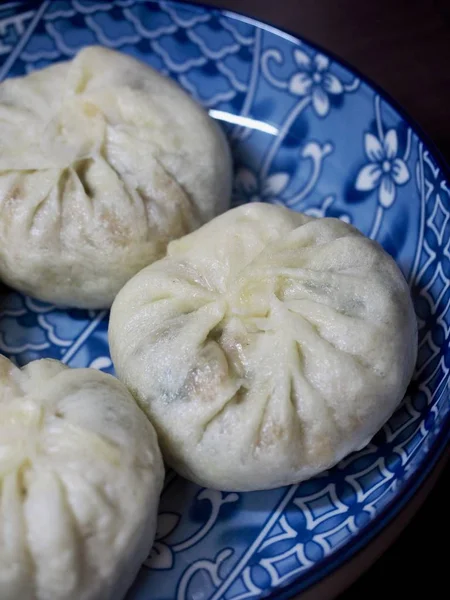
column 103, row 161
column 80, row 479
column 266, row 346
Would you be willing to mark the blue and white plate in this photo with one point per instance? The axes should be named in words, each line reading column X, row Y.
column 309, row 133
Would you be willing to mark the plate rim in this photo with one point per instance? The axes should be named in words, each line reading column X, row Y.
column 367, row 533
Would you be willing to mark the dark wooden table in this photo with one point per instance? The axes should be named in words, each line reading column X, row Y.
column 404, row 46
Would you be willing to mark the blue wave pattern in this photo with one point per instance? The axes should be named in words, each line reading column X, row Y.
column 310, row 136
column 14, row 22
